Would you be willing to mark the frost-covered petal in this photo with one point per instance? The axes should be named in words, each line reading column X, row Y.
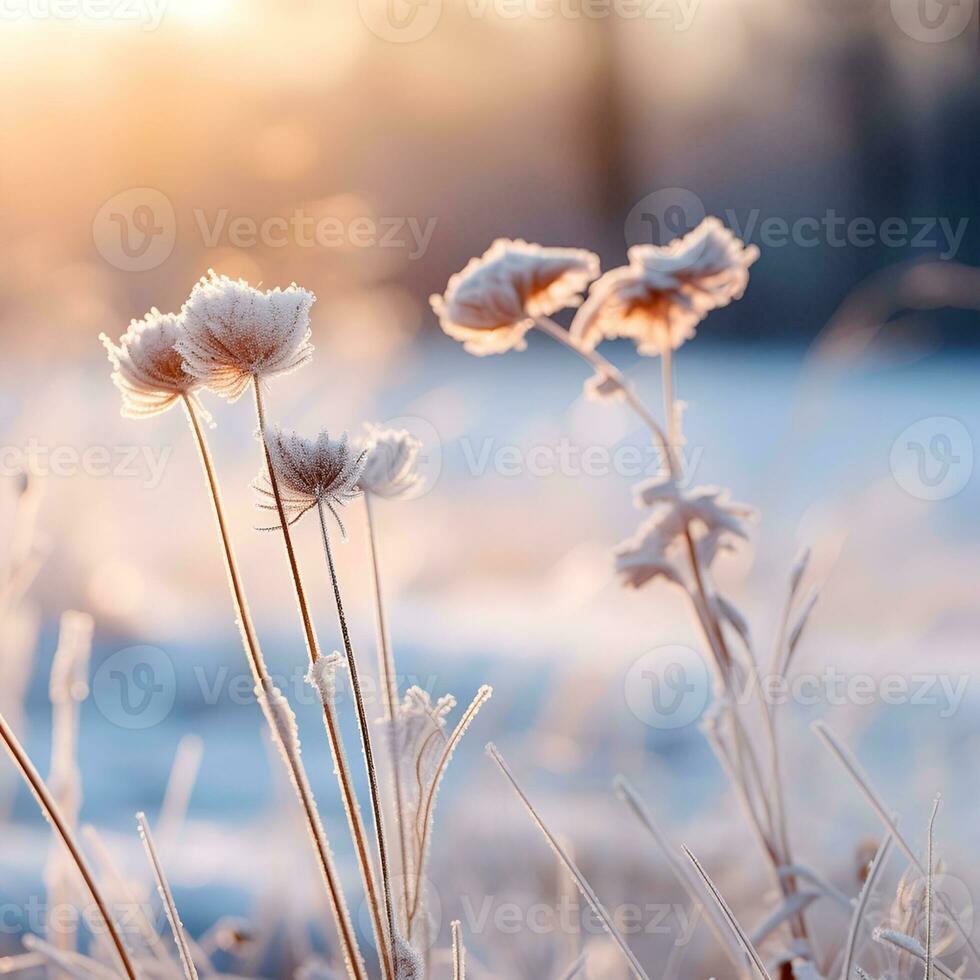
column 234, row 332
column 491, row 304
column 148, row 369
column 660, row 297
column 390, row 462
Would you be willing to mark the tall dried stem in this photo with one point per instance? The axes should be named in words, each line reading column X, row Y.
column 269, row 695
column 389, row 681
column 363, row 725
column 381, row 921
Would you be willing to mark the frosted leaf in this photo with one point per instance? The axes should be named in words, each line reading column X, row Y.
column 390, row 462
column 658, row 549
column 666, row 291
column 491, row 304
column 148, row 369
column 233, row 332
column 645, row 557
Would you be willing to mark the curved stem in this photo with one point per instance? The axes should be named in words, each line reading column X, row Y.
column 609, row 370
column 50, row 809
column 363, row 724
column 263, row 684
column 386, row 668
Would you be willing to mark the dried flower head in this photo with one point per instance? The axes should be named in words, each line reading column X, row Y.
column 666, row 291
column 657, row 548
column 311, row 472
column 492, row 303
column 422, row 748
column 148, row 369
column 390, row 462
column 234, row 333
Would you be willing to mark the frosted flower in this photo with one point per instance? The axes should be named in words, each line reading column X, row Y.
column 658, row 549
column 311, row 472
column 492, row 303
column 390, row 462
column 148, row 370
column 666, row 291
column 234, row 333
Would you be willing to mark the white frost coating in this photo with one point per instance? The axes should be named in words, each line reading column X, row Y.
column 147, row 368
column 390, row 458
column 310, row 471
column 233, row 332
column 666, row 291
column 409, row 964
column 322, row 675
column 281, row 718
column 492, row 303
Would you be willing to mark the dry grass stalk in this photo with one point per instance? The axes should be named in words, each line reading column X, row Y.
column 50, row 810
column 743, row 940
column 853, row 768
column 166, row 896
column 857, row 918
column 459, row 952
column 583, row 885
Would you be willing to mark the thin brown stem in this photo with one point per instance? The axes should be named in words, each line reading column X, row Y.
column 50, row 810
column 267, row 691
column 348, row 795
column 364, row 727
column 386, row 669
column 607, row 369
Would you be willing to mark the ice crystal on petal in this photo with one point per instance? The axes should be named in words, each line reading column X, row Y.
column 491, row 304
column 660, row 297
column 234, row 332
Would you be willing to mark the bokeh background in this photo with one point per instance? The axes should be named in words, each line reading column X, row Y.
column 366, row 149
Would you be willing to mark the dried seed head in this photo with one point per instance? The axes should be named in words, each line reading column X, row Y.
column 390, row 462
column 311, row 471
column 234, row 333
column 148, row 369
column 666, row 291
column 492, row 303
